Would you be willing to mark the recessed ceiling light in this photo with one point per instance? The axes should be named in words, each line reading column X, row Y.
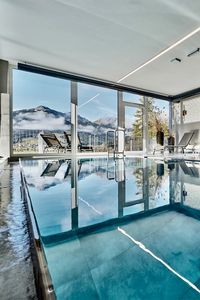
column 160, row 54
column 176, row 59
column 196, row 51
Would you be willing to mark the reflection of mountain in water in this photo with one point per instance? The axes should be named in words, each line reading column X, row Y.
column 35, row 178
column 45, row 118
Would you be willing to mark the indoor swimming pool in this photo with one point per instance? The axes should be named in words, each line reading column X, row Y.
column 117, row 229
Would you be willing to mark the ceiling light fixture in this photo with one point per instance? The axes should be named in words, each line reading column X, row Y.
column 194, row 52
column 176, row 59
column 160, row 54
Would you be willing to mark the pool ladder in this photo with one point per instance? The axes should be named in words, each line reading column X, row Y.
column 116, row 142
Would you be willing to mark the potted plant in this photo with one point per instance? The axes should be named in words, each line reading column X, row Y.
column 159, row 132
column 171, row 142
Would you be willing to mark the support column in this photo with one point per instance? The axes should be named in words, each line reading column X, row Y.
column 120, row 134
column 121, row 183
column 120, row 110
column 170, row 117
column 5, row 108
column 74, row 102
column 4, row 76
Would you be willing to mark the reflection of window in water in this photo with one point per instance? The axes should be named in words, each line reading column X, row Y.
column 158, row 185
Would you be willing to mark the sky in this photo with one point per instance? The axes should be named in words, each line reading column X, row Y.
column 31, row 90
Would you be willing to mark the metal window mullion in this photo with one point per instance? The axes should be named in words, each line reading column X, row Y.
column 145, row 127
column 170, row 117
column 74, row 102
column 120, row 110
column 130, row 104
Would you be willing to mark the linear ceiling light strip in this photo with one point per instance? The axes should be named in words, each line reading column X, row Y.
column 160, row 54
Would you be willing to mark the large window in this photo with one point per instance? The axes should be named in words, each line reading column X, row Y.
column 97, row 114
column 41, row 106
column 42, row 117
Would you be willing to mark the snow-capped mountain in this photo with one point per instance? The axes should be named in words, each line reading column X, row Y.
column 45, row 118
column 39, row 118
column 109, row 122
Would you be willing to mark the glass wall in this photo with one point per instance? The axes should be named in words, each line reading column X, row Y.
column 97, row 114
column 42, row 117
column 41, row 106
column 158, row 121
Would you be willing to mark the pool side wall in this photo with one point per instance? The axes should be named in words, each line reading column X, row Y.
column 43, row 282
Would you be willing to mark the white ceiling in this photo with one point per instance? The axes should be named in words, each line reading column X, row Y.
column 106, row 39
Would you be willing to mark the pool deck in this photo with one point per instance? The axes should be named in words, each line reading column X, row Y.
column 156, row 156
column 16, row 271
column 3, row 163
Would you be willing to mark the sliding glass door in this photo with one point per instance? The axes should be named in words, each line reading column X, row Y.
column 133, row 128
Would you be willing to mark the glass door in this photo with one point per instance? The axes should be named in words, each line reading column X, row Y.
column 133, row 128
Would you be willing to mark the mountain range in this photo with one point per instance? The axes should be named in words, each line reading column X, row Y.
column 45, row 118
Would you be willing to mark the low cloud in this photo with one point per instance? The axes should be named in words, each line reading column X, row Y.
column 39, row 120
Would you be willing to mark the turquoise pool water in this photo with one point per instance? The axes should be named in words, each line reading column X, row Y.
column 125, row 229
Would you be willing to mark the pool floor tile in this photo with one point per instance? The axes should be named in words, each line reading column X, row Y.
column 66, row 261
column 103, row 245
column 136, row 275
column 176, row 243
column 107, row 265
column 81, row 287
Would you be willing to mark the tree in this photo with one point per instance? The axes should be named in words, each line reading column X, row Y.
column 157, row 120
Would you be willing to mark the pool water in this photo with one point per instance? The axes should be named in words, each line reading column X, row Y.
column 124, row 229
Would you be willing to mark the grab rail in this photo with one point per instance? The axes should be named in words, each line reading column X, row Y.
column 117, row 147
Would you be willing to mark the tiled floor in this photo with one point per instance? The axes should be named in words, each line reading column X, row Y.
column 16, row 273
column 108, row 265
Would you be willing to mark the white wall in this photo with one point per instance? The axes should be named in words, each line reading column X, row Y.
column 191, row 121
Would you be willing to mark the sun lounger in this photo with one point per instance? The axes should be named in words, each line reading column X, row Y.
column 81, row 146
column 52, row 143
column 184, row 142
column 193, row 145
